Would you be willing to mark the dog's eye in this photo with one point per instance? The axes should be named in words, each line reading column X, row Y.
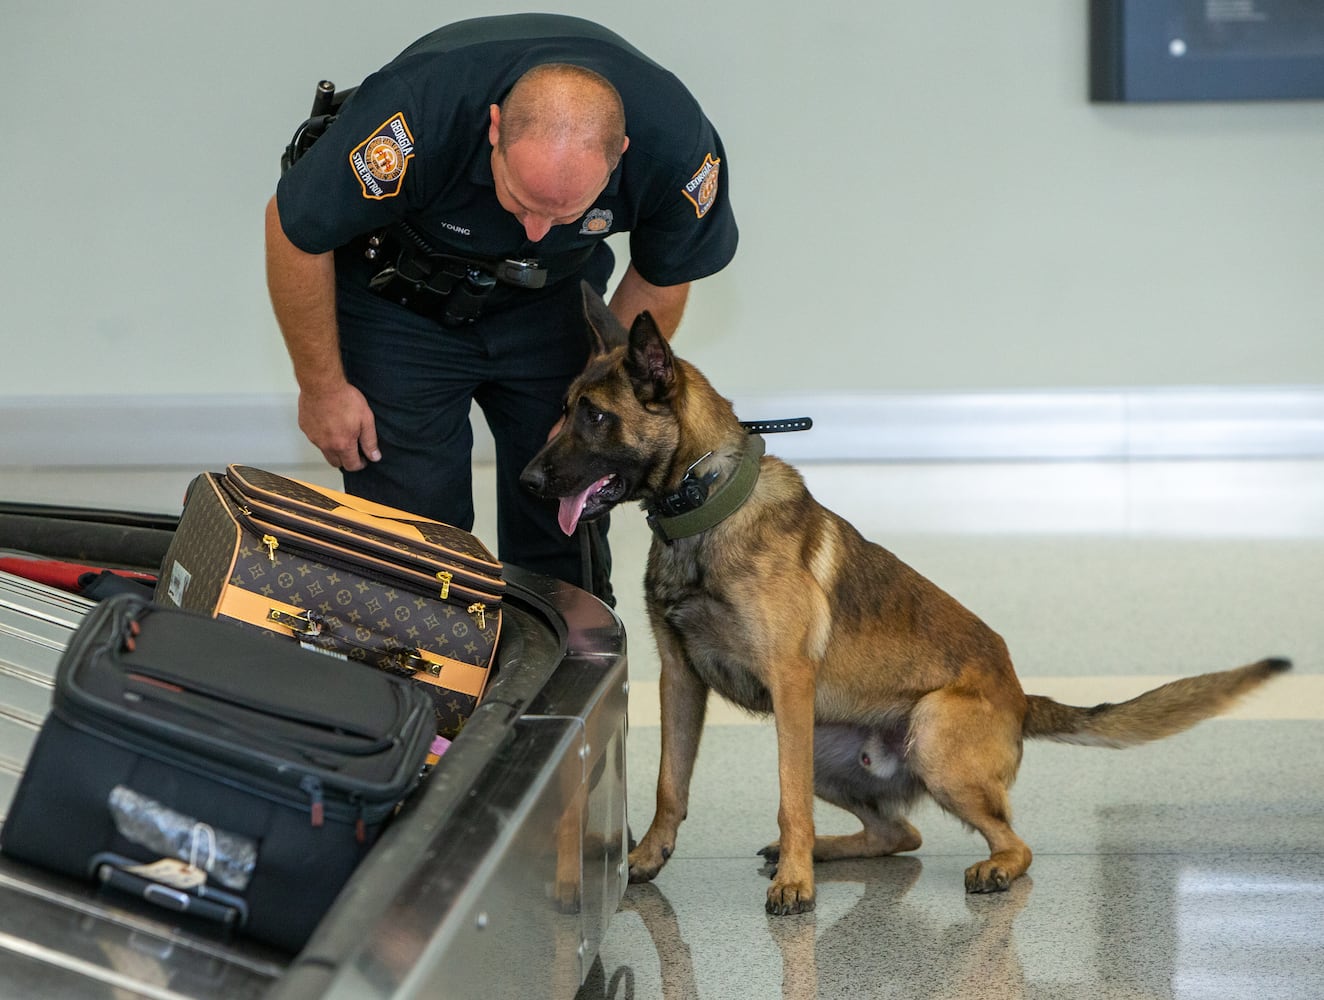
column 590, row 413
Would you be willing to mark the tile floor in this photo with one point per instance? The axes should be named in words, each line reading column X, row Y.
column 1191, row 868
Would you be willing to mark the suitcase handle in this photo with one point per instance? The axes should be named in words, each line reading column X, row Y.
column 203, row 901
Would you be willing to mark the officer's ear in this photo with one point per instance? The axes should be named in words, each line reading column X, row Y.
column 494, row 126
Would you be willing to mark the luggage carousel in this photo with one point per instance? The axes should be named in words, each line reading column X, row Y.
column 498, row 878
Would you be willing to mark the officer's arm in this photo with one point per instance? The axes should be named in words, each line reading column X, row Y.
column 666, row 303
column 332, row 413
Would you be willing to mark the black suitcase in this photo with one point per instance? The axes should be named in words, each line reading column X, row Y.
column 212, row 772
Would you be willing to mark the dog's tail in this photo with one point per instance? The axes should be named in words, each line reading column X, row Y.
column 1164, row 711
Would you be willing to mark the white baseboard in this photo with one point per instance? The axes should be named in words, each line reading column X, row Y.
column 207, row 431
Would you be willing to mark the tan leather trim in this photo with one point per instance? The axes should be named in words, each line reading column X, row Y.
column 464, row 678
column 252, row 608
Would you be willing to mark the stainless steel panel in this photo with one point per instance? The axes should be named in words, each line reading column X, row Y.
column 509, row 878
column 24, row 696
column 16, row 740
column 35, row 624
column 595, row 692
column 60, row 940
column 41, row 601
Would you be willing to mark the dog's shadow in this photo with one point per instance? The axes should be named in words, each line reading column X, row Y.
column 882, row 939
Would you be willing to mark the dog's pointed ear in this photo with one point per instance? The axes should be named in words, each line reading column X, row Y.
column 605, row 330
column 649, row 361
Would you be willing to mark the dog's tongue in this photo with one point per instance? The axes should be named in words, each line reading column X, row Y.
column 572, row 507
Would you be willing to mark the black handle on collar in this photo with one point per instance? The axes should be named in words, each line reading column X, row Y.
column 777, row 426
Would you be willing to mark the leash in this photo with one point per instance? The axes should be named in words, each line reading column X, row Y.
column 691, row 510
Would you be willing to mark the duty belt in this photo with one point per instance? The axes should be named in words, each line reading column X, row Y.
column 449, row 288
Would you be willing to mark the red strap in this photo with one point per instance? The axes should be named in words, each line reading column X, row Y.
column 63, row 575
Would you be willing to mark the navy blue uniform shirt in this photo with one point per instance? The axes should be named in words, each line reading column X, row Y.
column 412, row 144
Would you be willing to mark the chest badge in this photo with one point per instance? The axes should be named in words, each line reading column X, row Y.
column 596, row 223
column 379, row 161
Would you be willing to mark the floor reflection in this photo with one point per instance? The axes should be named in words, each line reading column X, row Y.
column 883, row 946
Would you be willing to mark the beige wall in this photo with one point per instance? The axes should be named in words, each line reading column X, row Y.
column 928, row 201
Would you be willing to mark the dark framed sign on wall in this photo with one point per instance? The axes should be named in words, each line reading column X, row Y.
column 1206, row 50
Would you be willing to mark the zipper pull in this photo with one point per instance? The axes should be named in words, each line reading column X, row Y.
column 313, row 787
column 445, row 579
column 360, row 822
column 480, row 609
column 131, row 634
column 272, row 545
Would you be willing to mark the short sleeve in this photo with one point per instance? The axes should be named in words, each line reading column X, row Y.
column 687, row 230
column 360, row 175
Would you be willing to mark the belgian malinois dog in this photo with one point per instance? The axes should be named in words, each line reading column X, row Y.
column 881, row 685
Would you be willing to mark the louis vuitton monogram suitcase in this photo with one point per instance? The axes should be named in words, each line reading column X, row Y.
column 343, row 575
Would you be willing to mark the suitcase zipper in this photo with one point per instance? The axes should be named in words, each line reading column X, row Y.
column 477, row 609
column 313, row 786
column 458, row 576
column 448, row 589
column 276, row 506
column 272, row 780
column 314, row 795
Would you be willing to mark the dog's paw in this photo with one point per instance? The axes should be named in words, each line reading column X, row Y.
column 772, row 853
column 785, row 898
column 566, row 897
column 645, row 864
column 987, row 876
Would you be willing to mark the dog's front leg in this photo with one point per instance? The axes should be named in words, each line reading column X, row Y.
column 792, row 689
column 684, row 700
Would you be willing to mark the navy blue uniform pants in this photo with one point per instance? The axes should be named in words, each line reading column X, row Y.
column 420, row 378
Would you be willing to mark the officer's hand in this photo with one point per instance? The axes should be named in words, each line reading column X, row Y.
column 340, row 423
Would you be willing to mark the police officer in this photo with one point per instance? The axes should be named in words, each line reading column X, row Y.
column 426, row 252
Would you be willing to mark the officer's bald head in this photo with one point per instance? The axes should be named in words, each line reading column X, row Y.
column 565, row 106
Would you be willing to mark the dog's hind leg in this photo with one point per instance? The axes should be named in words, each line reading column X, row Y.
column 684, row 703
column 966, row 751
column 882, row 835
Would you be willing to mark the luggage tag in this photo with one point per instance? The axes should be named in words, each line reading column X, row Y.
column 173, row 872
column 177, row 872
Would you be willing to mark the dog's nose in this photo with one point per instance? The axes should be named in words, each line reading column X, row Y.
column 533, row 478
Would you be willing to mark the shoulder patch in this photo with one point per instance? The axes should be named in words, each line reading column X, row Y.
column 379, row 161
column 701, row 189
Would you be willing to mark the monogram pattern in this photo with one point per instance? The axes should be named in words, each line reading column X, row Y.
column 368, row 620
column 203, row 545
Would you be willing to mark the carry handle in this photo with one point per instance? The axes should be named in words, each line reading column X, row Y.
column 205, row 902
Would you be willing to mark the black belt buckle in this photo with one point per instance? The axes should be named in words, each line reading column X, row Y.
column 522, row 273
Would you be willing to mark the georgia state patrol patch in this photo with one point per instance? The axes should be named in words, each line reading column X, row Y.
column 701, row 189
column 596, row 223
column 379, row 161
